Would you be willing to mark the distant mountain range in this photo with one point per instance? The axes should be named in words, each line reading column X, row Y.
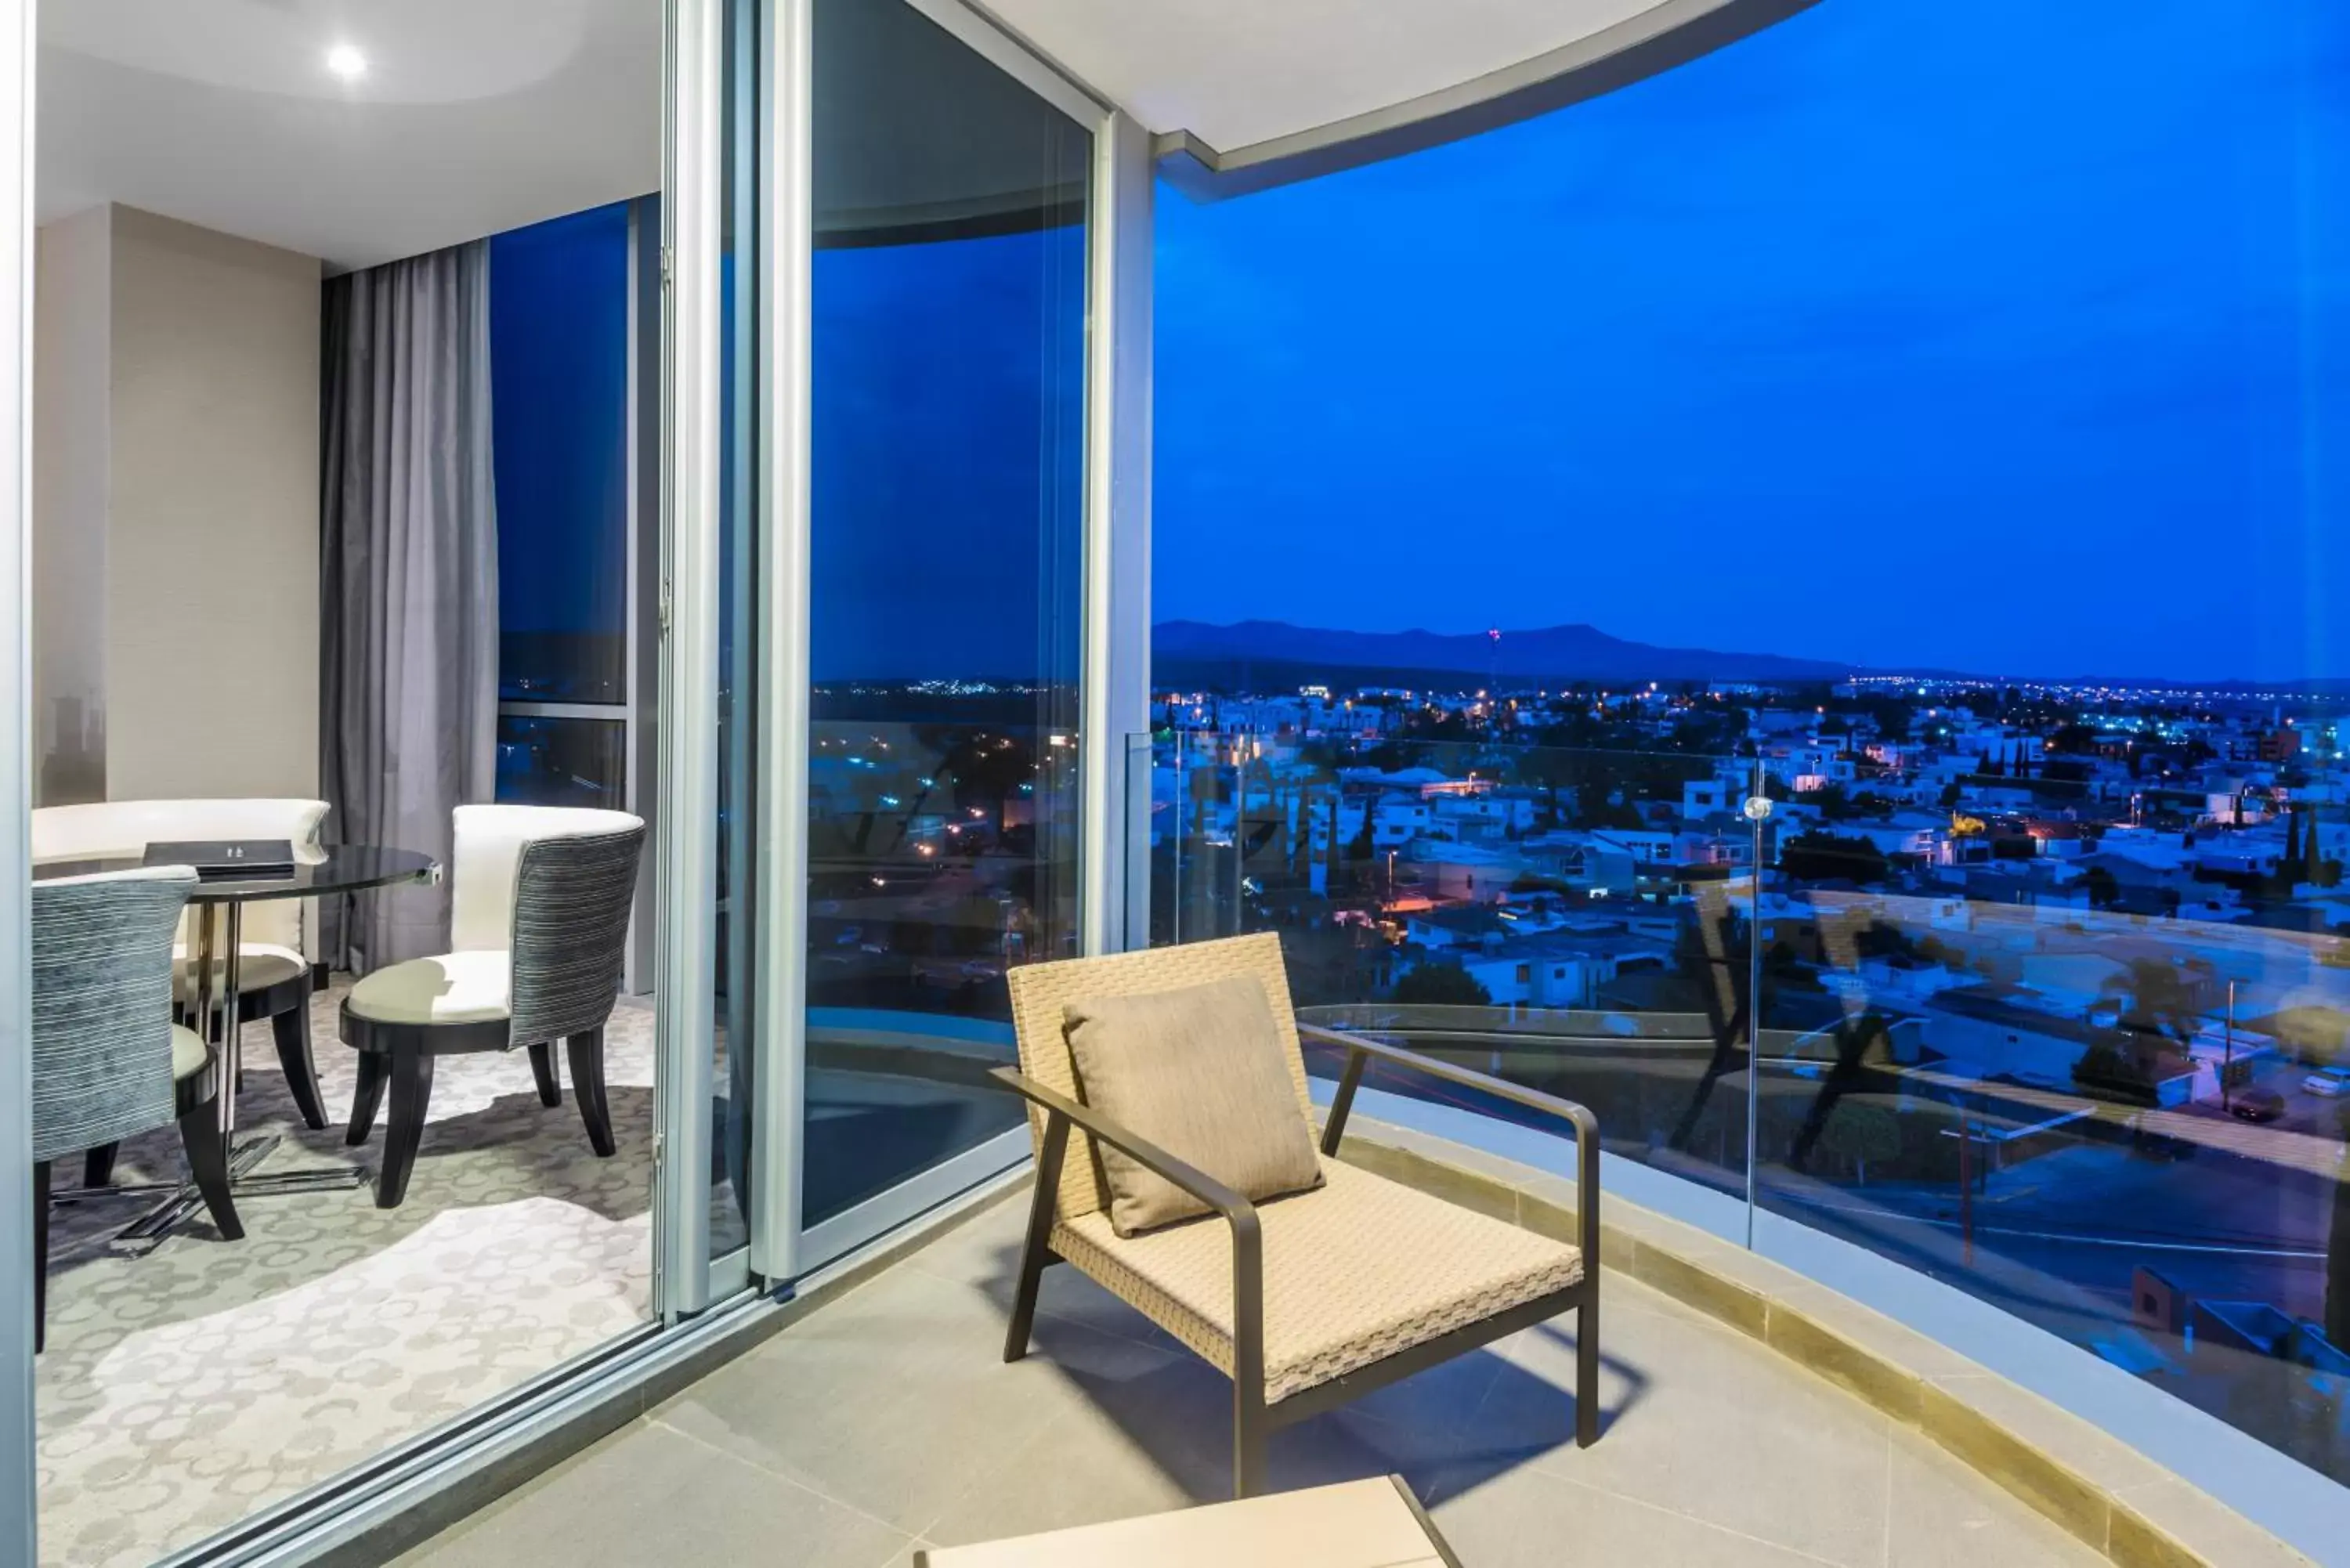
column 1271, row 652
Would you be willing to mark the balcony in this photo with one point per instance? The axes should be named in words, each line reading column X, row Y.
column 882, row 1420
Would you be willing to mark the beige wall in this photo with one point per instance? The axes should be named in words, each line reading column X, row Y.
column 208, row 608
column 71, row 373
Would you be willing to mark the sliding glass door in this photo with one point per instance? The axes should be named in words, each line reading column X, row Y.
column 945, row 348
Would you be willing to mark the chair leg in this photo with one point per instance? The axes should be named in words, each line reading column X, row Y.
column 292, row 1030
column 586, row 1053
column 542, row 1067
column 98, row 1165
column 1038, row 1252
column 411, row 1091
column 1249, row 1436
column 367, row 1096
column 207, row 1146
column 40, row 1254
column 1586, row 1371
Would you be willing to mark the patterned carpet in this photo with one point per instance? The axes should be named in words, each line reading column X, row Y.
column 182, row 1390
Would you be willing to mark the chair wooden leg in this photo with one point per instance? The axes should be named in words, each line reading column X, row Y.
column 373, row 1069
column 542, row 1067
column 207, row 1146
column 98, row 1165
column 1038, row 1252
column 292, row 1030
column 1586, row 1371
column 40, row 1254
column 586, row 1053
column 412, row 1090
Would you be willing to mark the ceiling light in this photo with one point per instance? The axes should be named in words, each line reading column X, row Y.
column 345, row 61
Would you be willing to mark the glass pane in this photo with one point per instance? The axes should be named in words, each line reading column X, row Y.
column 549, row 761
column 949, row 382
column 1576, row 920
column 559, row 386
column 738, row 642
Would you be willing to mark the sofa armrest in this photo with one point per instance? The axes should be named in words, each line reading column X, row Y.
column 1360, row 1051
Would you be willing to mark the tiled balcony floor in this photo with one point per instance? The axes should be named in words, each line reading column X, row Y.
column 887, row 1419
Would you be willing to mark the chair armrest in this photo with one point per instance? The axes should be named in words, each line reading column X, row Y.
column 1148, row 1154
column 1359, row 1051
column 1248, row 1234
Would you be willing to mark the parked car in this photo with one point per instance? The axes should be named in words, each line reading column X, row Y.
column 2331, row 1082
column 2256, row 1104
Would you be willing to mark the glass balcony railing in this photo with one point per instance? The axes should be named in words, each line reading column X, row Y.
column 2072, row 1067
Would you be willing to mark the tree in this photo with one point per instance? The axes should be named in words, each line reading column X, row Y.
column 1442, row 985
column 1826, row 857
column 2105, row 890
column 1861, row 1131
column 1551, row 772
column 2157, row 1002
column 2159, row 1017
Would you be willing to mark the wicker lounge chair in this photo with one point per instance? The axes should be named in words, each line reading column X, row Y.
column 1308, row 1301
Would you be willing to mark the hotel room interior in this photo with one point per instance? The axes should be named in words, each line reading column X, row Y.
column 345, row 382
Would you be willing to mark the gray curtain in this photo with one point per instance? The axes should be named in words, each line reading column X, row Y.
column 409, row 590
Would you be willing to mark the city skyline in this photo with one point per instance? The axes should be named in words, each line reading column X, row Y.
column 1814, row 346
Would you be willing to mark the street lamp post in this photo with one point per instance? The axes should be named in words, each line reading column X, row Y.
column 2228, row 1052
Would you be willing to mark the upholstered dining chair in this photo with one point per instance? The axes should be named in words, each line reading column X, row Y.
column 538, row 928
column 272, row 967
column 107, row 1061
column 1320, row 1283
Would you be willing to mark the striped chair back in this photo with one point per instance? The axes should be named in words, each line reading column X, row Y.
column 572, row 900
column 102, row 1006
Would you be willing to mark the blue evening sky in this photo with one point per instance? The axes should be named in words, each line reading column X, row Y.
column 947, row 462
column 558, row 393
column 2011, row 336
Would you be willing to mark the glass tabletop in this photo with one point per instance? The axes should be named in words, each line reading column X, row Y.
column 341, row 869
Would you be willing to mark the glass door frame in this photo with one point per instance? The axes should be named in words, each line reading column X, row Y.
column 685, row 1281
column 1115, row 580
column 19, row 1505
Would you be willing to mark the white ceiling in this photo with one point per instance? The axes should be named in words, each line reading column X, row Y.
column 473, row 115
column 1238, row 72
column 476, row 116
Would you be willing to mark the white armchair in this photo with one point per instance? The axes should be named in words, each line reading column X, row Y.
column 273, row 961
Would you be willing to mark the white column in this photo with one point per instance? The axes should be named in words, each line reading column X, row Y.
column 688, row 723
column 786, row 255
column 1118, row 536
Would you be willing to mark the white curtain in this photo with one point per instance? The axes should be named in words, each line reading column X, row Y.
column 409, row 590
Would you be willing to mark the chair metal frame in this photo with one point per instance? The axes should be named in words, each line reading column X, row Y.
column 1254, row 1420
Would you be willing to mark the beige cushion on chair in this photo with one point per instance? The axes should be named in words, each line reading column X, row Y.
column 260, row 966
column 188, row 1053
column 1198, row 1072
column 455, row 987
column 1353, row 1273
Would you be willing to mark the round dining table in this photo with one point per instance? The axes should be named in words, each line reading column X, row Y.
column 219, row 901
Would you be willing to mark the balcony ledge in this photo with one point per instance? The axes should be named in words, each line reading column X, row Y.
column 2096, row 1488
